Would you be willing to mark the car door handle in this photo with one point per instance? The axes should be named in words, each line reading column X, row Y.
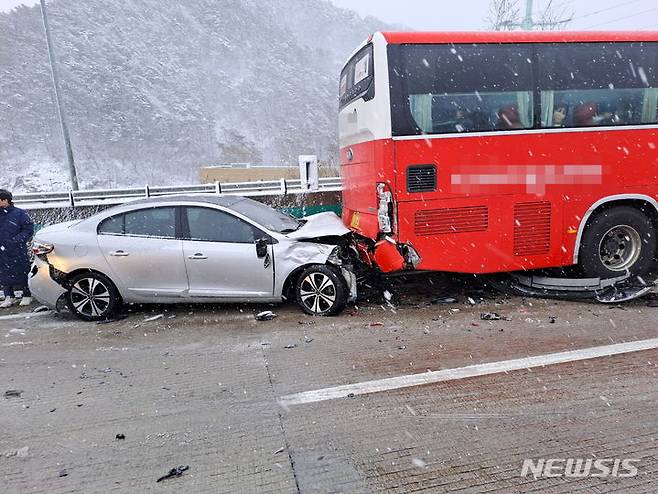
column 119, row 253
column 198, row 255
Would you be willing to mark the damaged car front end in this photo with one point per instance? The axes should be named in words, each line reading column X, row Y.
column 321, row 239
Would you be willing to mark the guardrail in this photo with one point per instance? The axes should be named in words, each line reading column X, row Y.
column 52, row 200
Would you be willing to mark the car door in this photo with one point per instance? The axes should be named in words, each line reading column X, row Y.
column 143, row 253
column 220, row 256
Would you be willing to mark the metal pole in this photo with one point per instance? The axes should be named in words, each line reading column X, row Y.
column 527, row 23
column 58, row 100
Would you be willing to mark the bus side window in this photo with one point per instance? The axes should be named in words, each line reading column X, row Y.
column 460, row 88
column 508, row 118
column 597, row 84
column 650, row 106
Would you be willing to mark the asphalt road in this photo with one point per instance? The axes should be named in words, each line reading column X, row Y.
column 203, row 387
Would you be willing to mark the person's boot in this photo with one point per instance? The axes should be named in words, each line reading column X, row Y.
column 25, row 301
column 8, row 302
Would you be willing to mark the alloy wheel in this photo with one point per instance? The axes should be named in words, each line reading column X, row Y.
column 318, row 292
column 90, row 297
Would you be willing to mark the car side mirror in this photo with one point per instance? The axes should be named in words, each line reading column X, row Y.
column 261, row 247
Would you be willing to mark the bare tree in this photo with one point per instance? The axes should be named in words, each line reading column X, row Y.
column 555, row 16
column 506, row 15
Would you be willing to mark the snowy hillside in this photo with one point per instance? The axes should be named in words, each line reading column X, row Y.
column 154, row 89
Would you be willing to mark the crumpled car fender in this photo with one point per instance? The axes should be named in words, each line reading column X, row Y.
column 298, row 253
column 290, row 256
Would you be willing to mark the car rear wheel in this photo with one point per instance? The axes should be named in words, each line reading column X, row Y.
column 617, row 240
column 321, row 291
column 92, row 296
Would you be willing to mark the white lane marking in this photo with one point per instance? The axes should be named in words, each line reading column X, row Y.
column 15, row 343
column 407, row 381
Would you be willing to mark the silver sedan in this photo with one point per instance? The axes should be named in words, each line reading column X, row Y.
column 193, row 249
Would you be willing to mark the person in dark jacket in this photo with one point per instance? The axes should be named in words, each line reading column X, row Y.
column 16, row 230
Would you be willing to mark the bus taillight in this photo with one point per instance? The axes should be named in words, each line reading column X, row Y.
column 384, row 208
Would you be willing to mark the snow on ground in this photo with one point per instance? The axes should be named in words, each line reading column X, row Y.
column 40, row 175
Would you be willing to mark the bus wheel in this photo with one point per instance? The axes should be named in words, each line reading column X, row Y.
column 617, row 240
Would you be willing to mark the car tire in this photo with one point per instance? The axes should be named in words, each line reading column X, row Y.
column 616, row 240
column 92, row 296
column 321, row 291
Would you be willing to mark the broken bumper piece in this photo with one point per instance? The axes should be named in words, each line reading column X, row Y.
column 609, row 290
column 387, row 256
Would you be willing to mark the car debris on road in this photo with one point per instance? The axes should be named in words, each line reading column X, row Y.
column 266, row 315
column 493, row 316
column 16, row 453
column 174, row 472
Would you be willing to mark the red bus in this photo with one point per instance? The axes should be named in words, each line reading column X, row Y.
column 489, row 152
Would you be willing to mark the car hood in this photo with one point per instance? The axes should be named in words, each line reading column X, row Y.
column 326, row 224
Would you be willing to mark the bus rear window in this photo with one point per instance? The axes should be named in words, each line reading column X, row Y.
column 357, row 77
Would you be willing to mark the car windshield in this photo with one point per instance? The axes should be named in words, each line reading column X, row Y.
column 266, row 216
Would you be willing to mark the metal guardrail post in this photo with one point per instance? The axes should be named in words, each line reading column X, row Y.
column 71, row 201
column 284, row 187
column 218, row 187
column 147, row 191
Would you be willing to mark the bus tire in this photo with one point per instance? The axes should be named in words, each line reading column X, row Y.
column 615, row 240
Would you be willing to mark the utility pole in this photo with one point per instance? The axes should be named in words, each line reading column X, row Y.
column 527, row 23
column 58, row 99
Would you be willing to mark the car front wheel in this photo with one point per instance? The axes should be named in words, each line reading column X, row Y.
column 92, row 296
column 321, row 291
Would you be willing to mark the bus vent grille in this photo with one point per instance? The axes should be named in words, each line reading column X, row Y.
column 451, row 220
column 532, row 228
column 421, row 178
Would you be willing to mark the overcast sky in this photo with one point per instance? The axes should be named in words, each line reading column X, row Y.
column 457, row 15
